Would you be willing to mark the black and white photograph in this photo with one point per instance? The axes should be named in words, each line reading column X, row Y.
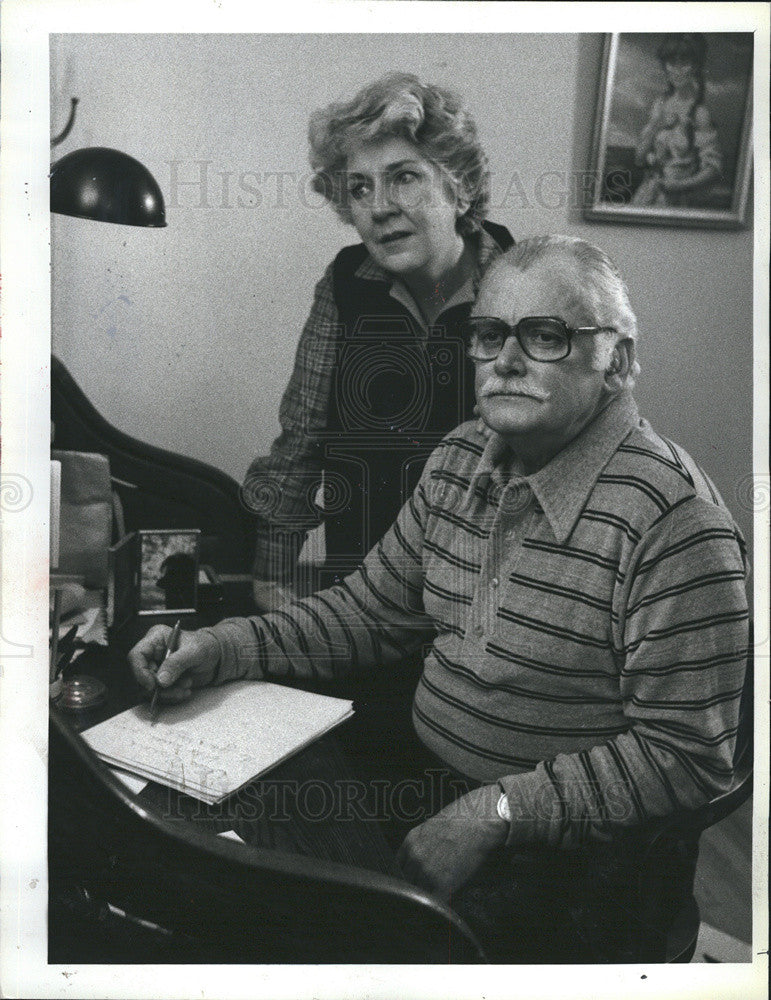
column 413, row 366
column 168, row 571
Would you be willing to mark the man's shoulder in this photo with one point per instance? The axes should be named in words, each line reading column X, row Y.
column 460, row 449
column 651, row 466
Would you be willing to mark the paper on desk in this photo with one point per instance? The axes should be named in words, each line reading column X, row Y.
column 131, row 781
column 220, row 740
column 231, row 835
column 92, row 626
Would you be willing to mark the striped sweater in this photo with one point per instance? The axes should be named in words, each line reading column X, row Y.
column 584, row 628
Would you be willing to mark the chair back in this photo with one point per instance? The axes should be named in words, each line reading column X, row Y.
column 158, row 489
column 669, row 850
column 129, row 885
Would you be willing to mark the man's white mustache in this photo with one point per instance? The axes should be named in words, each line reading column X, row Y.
column 493, row 388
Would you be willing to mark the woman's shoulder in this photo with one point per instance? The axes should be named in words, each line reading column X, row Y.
column 350, row 258
column 498, row 233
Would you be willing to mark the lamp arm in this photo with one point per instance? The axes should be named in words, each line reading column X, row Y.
column 68, row 127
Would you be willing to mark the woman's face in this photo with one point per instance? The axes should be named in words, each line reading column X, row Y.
column 403, row 209
column 680, row 73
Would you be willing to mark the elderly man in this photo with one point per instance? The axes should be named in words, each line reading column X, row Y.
column 575, row 580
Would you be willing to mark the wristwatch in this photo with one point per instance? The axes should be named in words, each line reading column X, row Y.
column 504, row 810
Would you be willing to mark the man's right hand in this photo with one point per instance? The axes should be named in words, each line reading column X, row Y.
column 192, row 665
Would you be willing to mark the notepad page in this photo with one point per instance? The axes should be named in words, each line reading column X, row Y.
column 221, row 739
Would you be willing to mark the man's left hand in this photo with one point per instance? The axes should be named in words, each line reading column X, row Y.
column 445, row 851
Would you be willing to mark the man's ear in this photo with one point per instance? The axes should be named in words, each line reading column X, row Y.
column 620, row 367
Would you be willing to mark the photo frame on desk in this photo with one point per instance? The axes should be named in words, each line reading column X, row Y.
column 122, row 581
column 168, row 571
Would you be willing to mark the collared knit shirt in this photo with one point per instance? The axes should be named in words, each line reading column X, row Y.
column 584, row 628
column 281, row 486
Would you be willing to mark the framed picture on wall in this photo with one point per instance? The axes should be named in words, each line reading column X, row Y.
column 673, row 130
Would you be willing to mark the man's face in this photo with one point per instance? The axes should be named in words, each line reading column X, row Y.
column 533, row 402
column 402, row 208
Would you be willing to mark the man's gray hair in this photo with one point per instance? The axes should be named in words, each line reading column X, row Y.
column 602, row 290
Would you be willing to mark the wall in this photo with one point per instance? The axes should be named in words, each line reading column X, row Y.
column 185, row 336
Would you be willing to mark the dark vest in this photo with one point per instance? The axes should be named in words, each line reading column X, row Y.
column 395, row 394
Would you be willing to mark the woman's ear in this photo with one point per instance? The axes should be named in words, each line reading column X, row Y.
column 621, row 362
column 456, row 190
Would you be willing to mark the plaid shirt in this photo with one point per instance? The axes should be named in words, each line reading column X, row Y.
column 281, row 487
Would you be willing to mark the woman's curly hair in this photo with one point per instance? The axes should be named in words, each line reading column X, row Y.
column 399, row 105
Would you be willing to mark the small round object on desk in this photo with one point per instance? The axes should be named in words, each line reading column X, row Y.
column 81, row 692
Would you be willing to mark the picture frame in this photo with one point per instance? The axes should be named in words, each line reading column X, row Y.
column 672, row 140
column 122, row 581
column 168, row 571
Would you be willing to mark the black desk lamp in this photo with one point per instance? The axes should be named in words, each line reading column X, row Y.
column 105, row 185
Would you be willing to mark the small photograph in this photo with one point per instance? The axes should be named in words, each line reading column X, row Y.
column 168, row 576
column 673, row 142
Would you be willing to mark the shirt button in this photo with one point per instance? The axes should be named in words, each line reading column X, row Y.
column 478, row 629
column 495, row 581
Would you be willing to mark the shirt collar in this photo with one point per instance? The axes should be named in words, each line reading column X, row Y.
column 562, row 487
column 485, row 249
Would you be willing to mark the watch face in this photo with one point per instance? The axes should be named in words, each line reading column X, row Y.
column 503, row 808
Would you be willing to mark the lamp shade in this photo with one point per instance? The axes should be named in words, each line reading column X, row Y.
column 106, row 185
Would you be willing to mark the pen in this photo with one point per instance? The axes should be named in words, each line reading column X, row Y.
column 171, row 647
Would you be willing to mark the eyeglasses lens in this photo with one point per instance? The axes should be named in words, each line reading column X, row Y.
column 540, row 339
column 485, row 339
column 543, row 340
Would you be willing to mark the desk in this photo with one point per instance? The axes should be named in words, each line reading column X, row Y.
column 311, row 886
column 318, row 883
column 318, row 803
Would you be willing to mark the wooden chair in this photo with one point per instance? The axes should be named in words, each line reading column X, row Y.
column 131, row 886
column 158, row 489
column 672, row 841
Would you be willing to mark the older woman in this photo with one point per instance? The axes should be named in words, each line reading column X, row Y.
column 380, row 374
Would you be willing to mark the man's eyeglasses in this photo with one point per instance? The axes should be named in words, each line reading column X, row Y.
column 542, row 338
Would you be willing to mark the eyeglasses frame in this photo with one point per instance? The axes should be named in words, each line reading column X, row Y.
column 514, row 331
